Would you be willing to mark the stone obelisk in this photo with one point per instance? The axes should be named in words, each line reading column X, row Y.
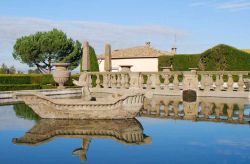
column 85, row 57
column 107, row 62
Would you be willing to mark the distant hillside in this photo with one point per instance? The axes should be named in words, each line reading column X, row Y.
column 220, row 57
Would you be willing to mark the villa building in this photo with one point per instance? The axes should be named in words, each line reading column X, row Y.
column 140, row 59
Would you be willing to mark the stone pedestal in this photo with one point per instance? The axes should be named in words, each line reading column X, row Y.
column 134, row 80
column 166, row 69
column 85, row 57
column 190, row 81
column 107, row 62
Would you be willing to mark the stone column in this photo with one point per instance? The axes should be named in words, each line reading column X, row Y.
column 190, row 80
column 176, row 82
column 85, row 57
column 241, row 83
column 107, row 62
column 230, row 82
column 134, row 80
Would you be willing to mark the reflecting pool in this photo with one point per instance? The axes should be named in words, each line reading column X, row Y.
column 168, row 131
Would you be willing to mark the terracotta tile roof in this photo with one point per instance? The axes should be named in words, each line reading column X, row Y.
column 246, row 50
column 136, row 52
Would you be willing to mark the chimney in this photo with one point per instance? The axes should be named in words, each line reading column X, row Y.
column 147, row 44
column 174, row 50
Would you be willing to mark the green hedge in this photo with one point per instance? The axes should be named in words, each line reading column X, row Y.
column 30, row 81
column 15, row 79
column 11, row 87
column 41, row 79
column 220, row 57
column 180, row 62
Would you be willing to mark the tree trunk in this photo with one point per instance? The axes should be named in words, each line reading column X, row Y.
column 49, row 65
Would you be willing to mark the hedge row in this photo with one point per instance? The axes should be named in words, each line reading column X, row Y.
column 30, row 81
column 11, row 87
column 42, row 79
column 220, row 57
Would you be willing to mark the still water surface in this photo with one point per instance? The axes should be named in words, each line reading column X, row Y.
column 26, row 139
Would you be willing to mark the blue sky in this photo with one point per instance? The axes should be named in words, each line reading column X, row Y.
column 198, row 24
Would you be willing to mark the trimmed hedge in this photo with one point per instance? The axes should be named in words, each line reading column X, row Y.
column 15, row 79
column 11, row 87
column 41, row 79
column 220, row 57
column 10, row 82
column 180, row 62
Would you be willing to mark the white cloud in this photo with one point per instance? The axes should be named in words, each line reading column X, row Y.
column 120, row 36
column 197, row 4
column 232, row 5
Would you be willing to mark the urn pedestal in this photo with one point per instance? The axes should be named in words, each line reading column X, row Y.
column 61, row 74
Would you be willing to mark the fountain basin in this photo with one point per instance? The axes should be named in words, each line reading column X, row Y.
column 113, row 107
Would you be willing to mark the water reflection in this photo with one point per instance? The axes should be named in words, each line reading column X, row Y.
column 203, row 109
column 124, row 131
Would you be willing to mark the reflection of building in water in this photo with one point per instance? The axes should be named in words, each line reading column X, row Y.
column 125, row 131
column 209, row 109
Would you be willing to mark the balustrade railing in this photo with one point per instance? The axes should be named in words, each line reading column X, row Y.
column 222, row 80
column 203, row 81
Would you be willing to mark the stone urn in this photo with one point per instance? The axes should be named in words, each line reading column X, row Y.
column 61, row 74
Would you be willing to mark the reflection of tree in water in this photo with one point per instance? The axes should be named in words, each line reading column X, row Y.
column 24, row 111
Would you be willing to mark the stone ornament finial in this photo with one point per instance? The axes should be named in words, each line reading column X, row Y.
column 85, row 57
column 107, row 62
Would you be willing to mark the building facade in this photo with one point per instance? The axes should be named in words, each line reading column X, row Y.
column 141, row 58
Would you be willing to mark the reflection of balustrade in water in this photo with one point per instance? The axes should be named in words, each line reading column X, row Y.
column 206, row 109
column 205, row 83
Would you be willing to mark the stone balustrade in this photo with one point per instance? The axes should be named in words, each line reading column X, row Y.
column 222, row 80
column 205, row 83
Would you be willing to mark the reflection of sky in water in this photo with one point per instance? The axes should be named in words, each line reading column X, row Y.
column 9, row 121
column 173, row 141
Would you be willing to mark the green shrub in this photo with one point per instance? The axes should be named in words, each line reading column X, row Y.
column 218, row 58
column 15, row 79
column 11, row 87
column 70, row 81
column 48, row 87
column 224, row 57
column 165, row 61
column 27, row 79
column 42, row 79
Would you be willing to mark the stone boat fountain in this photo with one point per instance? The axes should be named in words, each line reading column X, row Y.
column 112, row 107
column 108, row 106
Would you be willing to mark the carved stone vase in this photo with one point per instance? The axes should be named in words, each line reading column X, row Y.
column 61, row 74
